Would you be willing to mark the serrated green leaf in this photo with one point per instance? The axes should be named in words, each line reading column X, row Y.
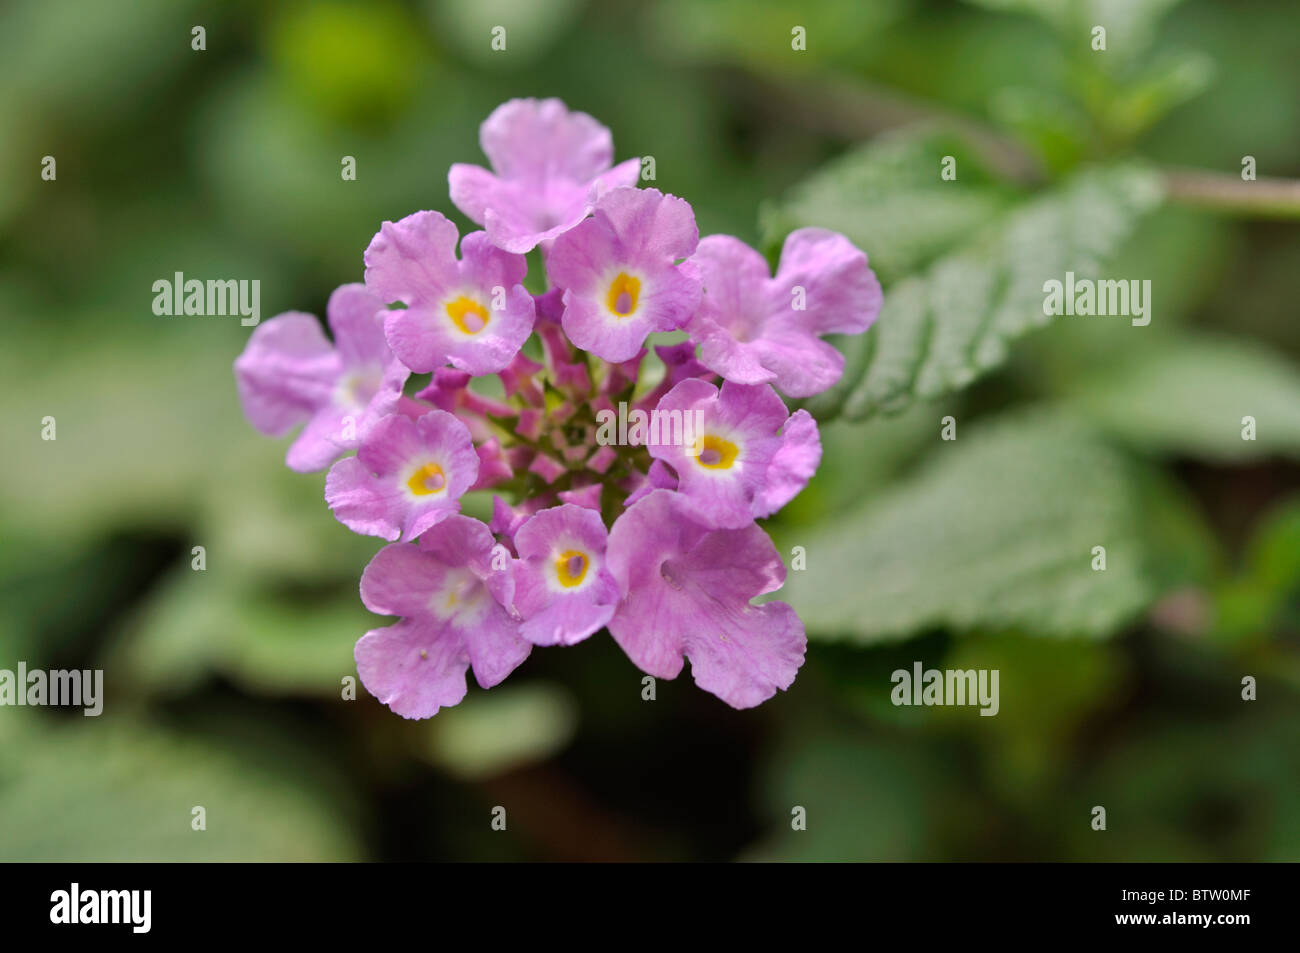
column 995, row 532
column 1189, row 395
column 889, row 199
column 862, row 467
column 942, row 329
column 1185, row 255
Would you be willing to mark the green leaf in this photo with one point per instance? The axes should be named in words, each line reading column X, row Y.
column 862, row 468
column 97, row 790
column 1122, row 89
column 889, row 199
column 1046, row 692
column 499, row 731
column 761, row 32
column 1183, row 252
column 1273, row 553
column 534, row 28
column 277, row 608
column 1050, row 123
column 943, row 328
column 1130, row 24
column 995, row 532
column 268, row 641
column 1262, row 601
column 1169, row 81
column 1182, row 548
column 1188, row 396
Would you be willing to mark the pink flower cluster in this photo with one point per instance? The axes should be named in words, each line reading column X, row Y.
column 653, row 536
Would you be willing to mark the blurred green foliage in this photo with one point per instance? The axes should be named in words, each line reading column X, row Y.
column 226, row 688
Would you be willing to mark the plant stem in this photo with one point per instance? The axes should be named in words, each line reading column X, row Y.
column 1225, row 192
column 856, row 109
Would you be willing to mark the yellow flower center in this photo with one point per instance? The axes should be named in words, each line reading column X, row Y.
column 467, row 314
column 571, row 567
column 715, row 453
column 623, row 293
column 428, row 479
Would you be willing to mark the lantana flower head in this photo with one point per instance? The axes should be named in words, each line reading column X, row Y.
column 563, row 591
column 473, row 313
column 624, row 493
column 452, row 602
column 408, row 476
column 757, row 329
column 750, row 456
column 621, row 275
column 290, row 374
column 549, row 165
column 687, row 594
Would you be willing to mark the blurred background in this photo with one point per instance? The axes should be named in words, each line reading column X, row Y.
column 1119, row 688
